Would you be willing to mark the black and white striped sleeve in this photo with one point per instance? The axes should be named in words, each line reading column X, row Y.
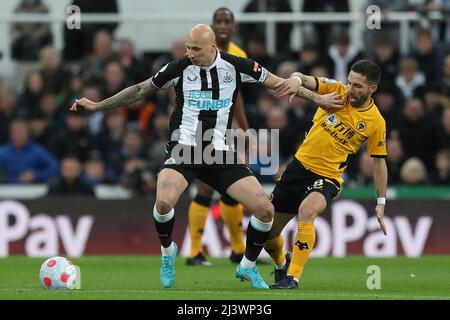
column 250, row 71
column 169, row 74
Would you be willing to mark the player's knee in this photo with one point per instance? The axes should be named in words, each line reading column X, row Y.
column 264, row 211
column 163, row 206
column 307, row 214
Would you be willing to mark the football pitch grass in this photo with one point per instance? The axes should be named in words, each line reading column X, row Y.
column 137, row 278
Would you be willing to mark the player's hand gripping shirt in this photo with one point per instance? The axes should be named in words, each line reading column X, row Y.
column 336, row 135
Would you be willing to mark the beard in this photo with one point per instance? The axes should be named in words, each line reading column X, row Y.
column 360, row 101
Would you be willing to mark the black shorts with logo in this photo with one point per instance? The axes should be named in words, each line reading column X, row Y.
column 297, row 183
column 217, row 175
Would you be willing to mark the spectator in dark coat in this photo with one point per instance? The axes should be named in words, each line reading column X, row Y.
column 78, row 43
column 417, row 133
column 428, row 55
column 75, row 139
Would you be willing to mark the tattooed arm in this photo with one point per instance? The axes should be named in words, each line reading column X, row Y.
column 123, row 98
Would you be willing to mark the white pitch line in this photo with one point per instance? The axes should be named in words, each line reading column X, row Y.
column 271, row 293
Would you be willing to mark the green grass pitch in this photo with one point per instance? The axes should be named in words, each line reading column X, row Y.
column 137, row 277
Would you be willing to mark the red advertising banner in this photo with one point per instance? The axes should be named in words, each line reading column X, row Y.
column 76, row 227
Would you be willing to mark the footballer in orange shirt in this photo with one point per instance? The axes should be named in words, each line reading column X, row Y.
column 314, row 177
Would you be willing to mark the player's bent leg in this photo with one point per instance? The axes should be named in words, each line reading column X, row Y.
column 314, row 204
column 232, row 216
column 250, row 193
column 169, row 187
column 197, row 214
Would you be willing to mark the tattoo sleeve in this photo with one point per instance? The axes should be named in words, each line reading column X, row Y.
column 307, row 94
column 126, row 96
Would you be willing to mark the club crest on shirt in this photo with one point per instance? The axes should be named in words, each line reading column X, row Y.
column 332, row 119
column 361, row 126
column 227, row 78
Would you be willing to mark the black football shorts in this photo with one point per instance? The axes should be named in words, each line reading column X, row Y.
column 297, row 183
column 219, row 176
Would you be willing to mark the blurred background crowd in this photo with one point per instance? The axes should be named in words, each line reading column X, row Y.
column 41, row 142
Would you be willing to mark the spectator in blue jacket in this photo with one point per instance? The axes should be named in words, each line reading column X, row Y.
column 23, row 161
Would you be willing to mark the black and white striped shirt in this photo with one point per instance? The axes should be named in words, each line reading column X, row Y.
column 205, row 95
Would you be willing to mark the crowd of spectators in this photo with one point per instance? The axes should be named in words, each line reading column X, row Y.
column 42, row 142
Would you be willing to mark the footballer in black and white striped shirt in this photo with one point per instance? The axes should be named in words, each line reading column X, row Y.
column 206, row 82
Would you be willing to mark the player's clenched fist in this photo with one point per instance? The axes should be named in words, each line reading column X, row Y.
column 84, row 104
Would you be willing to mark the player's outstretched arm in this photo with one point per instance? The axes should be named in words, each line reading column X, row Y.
column 380, row 178
column 309, row 82
column 293, row 86
column 123, row 98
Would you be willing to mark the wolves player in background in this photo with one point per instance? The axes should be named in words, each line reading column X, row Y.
column 314, row 177
column 224, row 26
column 206, row 83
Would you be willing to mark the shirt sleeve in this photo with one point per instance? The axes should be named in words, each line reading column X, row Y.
column 376, row 146
column 252, row 71
column 325, row 85
column 249, row 70
column 167, row 76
